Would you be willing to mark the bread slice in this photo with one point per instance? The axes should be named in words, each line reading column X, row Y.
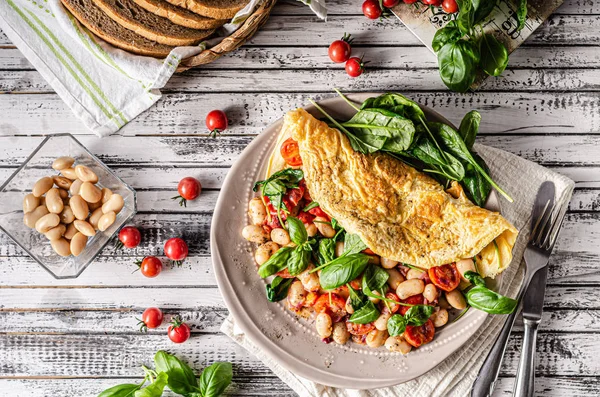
column 218, row 9
column 133, row 17
column 180, row 16
column 102, row 26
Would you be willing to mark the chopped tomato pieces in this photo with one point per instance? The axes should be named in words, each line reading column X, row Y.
column 412, row 300
column 359, row 329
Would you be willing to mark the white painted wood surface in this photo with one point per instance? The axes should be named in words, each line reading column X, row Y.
column 77, row 337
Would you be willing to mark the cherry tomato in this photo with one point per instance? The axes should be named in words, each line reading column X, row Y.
column 394, row 307
column 445, row 277
column 449, row 6
column 435, row 3
column 293, row 196
column 340, row 50
column 216, row 121
column 390, row 3
column 371, row 9
column 189, row 189
column 359, row 329
column 290, row 152
column 417, row 336
column 409, row 1
column 150, row 266
column 412, row 300
column 151, row 318
column 176, row 249
column 178, row 331
column 355, row 66
column 336, row 305
column 130, row 237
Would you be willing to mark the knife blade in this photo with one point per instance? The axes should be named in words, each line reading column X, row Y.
column 533, row 301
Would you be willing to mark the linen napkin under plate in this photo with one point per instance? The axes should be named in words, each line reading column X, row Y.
column 104, row 86
column 455, row 375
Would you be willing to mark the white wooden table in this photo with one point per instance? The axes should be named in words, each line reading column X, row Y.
column 77, row 337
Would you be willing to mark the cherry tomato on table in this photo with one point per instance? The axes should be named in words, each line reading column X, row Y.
column 176, row 249
column 450, row 6
column 216, row 122
column 371, row 9
column 340, row 50
column 150, row 266
column 189, row 189
column 291, row 152
column 390, row 3
column 355, row 66
column 178, row 331
column 419, row 335
column 129, row 237
column 445, row 277
column 151, row 318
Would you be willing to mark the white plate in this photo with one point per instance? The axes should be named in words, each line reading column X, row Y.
column 287, row 339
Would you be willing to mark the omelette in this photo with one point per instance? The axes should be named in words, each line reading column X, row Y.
column 400, row 213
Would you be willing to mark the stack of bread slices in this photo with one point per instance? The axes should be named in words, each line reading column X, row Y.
column 153, row 27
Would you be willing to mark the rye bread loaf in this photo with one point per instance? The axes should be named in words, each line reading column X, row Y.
column 131, row 16
column 104, row 27
column 179, row 15
column 218, row 9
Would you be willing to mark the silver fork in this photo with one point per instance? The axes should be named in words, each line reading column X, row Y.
column 546, row 220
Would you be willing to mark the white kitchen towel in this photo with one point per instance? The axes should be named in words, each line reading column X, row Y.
column 104, row 86
column 455, row 375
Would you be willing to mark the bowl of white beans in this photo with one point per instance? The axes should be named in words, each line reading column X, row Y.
column 63, row 206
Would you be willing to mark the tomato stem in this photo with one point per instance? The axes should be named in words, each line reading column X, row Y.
column 182, row 201
column 143, row 326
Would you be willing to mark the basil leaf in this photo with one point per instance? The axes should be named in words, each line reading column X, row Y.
column 278, row 289
column 474, row 278
column 123, row 390
column 276, row 263
column 384, row 123
column 458, row 65
column 494, row 55
column 310, row 206
column 489, row 301
column 297, row 230
column 326, row 252
column 375, row 278
column 469, row 127
column 298, row 261
column 343, row 270
column 522, row 13
column 353, row 244
column 448, row 34
column 181, row 378
column 215, row 378
column 365, row 315
column 418, row 314
column 484, row 9
column 154, row 389
column 357, row 298
column 396, row 325
column 466, row 17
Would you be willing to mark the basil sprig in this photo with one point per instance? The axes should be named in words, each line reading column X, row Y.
column 342, row 270
column 415, row 316
column 276, row 185
column 484, row 299
column 278, row 289
column 365, row 314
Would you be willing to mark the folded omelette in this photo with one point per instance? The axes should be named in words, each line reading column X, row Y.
column 400, row 213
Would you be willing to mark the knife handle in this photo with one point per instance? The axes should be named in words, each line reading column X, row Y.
column 524, row 384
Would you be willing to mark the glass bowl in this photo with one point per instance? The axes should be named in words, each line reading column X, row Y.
column 21, row 182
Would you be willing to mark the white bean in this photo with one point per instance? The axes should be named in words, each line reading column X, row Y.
column 85, row 174
column 115, row 203
column 265, row 251
column 85, row 228
column 465, row 265
column 398, row 344
column 340, row 333
column 410, row 288
column 30, row 203
column 443, row 303
column 94, row 206
column 63, row 162
column 106, row 193
column 79, row 207
column 339, row 248
column 324, row 325
column 395, row 278
column 61, row 247
column 310, row 281
column 255, row 234
column 382, row 320
column 324, row 227
column 296, row 295
column 56, row 232
column 62, row 182
column 456, row 299
column 32, row 217
column 54, row 202
column 376, row 338
column 106, row 221
column 42, row 186
column 69, row 173
column 71, row 231
column 78, row 243
column 64, row 194
column 47, row 222
column 256, row 211
column 440, row 318
column 413, row 273
column 430, row 292
column 311, row 230
column 349, row 308
column 90, row 192
column 388, row 263
column 375, row 300
column 75, row 186
column 280, row 236
column 95, row 217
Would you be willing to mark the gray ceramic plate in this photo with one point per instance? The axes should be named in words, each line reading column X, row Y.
column 291, row 341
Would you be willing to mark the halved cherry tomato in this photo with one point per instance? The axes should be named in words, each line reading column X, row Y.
column 311, row 299
column 445, row 277
column 317, row 211
column 292, row 197
column 291, row 152
column 359, row 329
column 417, row 336
column 306, row 217
column 285, row 273
column 412, row 300
column 394, row 307
column 368, row 251
column 335, row 306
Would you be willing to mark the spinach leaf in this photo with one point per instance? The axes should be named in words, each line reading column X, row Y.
column 458, row 63
column 278, row 289
column 383, row 123
column 398, row 104
column 181, row 378
column 469, row 127
column 123, row 390
column 155, row 389
column 522, row 13
column 489, row 301
column 365, row 315
column 343, row 270
column 476, row 187
column 310, row 206
column 299, row 259
column 326, row 252
column 357, row 298
column 448, row 34
column 374, row 279
column 353, row 244
column 215, row 378
column 443, row 163
column 297, row 230
column 494, row 55
column 396, row 325
column 286, row 178
column 365, row 142
column 474, row 278
column 276, row 263
column 418, row 314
